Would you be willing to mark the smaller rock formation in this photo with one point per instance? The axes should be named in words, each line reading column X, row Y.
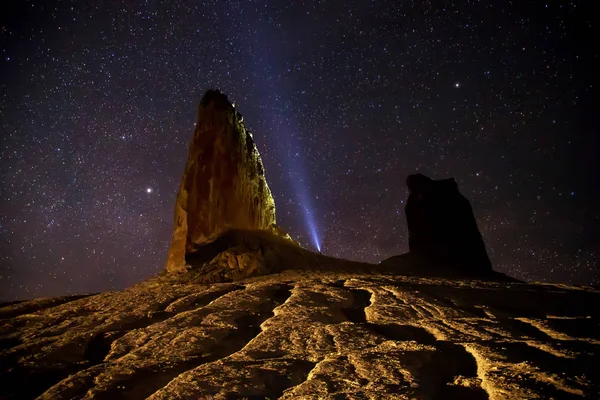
column 441, row 225
column 223, row 186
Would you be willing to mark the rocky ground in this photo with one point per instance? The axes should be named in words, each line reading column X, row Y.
column 310, row 335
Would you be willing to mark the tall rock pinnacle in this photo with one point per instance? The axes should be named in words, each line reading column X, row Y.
column 223, row 186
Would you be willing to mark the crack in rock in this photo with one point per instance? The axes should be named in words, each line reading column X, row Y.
column 361, row 299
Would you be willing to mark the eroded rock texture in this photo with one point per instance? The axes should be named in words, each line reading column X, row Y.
column 306, row 335
column 442, row 227
column 223, row 186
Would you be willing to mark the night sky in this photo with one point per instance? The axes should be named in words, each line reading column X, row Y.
column 345, row 99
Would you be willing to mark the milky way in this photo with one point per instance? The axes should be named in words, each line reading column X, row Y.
column 345, row 100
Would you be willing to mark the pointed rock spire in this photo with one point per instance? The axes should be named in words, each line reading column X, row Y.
column 223, row 186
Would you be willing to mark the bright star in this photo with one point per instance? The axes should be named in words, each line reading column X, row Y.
column 149, row 190
column 457, row 85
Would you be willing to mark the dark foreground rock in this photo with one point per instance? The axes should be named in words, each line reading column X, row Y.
column 306, row 334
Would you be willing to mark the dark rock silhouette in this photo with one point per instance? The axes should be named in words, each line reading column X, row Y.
column 441, row 225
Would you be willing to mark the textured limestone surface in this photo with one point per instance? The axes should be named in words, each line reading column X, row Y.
column 306, row 335
column 223, row 185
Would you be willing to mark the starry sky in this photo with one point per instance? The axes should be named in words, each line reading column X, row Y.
column 98, row 103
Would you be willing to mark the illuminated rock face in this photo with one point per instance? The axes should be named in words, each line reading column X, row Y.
column 223, row 186
column 299, row 335
column 441, row 225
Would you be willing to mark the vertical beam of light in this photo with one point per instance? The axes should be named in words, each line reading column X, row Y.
column 293, row 153
column 267, row 69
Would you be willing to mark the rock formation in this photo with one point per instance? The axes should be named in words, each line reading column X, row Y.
column 441, row 225
column 223, row 186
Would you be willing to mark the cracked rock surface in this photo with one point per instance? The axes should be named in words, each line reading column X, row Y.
column 306, row 335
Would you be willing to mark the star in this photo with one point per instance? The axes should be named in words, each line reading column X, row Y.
column 149, row 190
